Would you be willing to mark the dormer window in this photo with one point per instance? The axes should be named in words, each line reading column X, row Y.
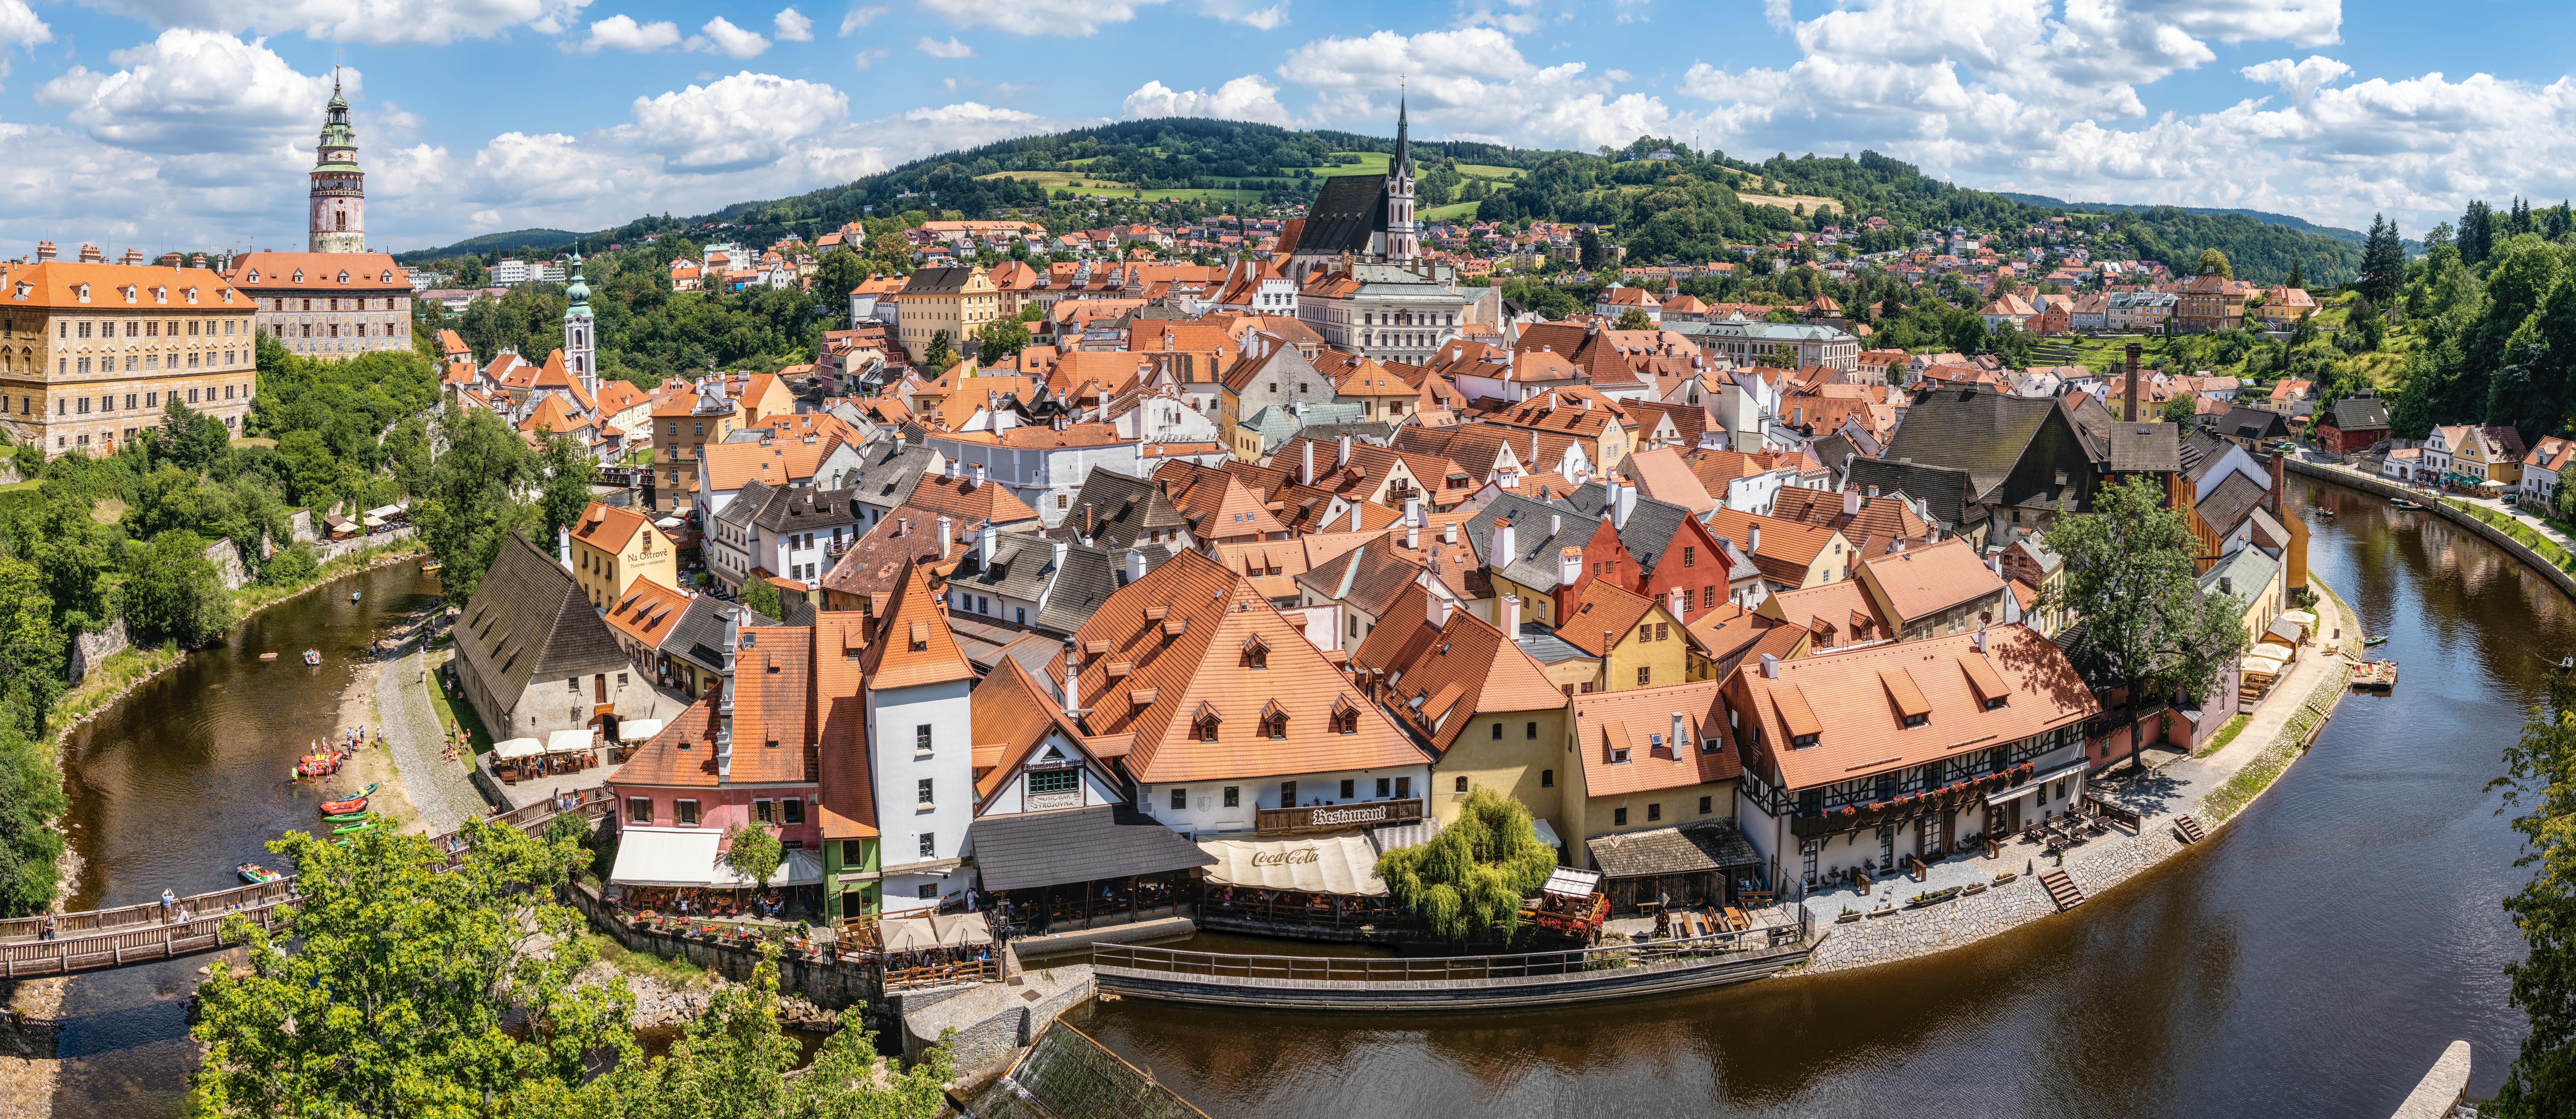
column 1256, row 654
column 1346, row 716
column 160, row 295
column 81, row 292
column 1997, row 703
column 1206, row 727
column 298, row 277
column 254, row 276
column 128, row 292
column 385, row 278
column 192, row 296
column 1274, row 721
column 344, row 277
column 1801, row 741
column 1912, row 721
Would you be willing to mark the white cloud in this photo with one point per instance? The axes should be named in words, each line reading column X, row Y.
column 950, row 49
column 1040, row 17
column 373, row 22
column 1619, row 75
column 19, row 27
column 866, row 58
column 1270, row 18
column 621, row 32
column 791, row 26
column 2301, row 80
column 1244, row 98
column 1470, row 84
column 860, row 17
column 720, row 36
column 194, row 92
column 746, row 120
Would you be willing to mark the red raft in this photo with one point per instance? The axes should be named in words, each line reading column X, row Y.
column 356, row 803
column 318, row 765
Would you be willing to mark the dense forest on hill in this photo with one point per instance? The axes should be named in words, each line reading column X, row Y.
column 1660, row 199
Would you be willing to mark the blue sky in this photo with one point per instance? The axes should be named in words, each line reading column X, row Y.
column 189, row 122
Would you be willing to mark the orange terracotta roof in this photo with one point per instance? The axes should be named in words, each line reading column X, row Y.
column 1921, row 582
column 915, row 646
column 959, row 498
column 848, row 805
column 1847, row 699
column 1639, row 721
column 1836, row 614
column 780, row 463
column 608, row 527
column 774, row 725
column 1013, row 711
column 1179, row 639
column 1604, row 607
column 1459, row 670
column 646, row 610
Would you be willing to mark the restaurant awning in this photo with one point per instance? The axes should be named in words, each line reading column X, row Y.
column 2301, row 616
column 689, row 857
column 921, row 931
column 1546, row 834
column 2263, row 665
column 517, row 748
column 2038, row 781
column 569, row 741
column 1571, row 882
column 1022, row 851
column 1341, row 863
column 638, row 730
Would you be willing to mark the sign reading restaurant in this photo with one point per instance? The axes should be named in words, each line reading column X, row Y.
column 1328, row 817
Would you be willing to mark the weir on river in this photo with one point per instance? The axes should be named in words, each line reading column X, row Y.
column 2312, row 959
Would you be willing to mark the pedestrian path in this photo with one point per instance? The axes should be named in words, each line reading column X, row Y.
column 438, row 789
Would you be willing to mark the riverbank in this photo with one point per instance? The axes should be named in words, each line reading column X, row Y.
column 2214, row 789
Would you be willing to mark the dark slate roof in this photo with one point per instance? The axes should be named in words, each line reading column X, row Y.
column 1535, row 567
column 2253, row 423
column 528, row 618
column 2201, row 452
column 1545, row 646
column 1130, row 508
column 888, row 470
column 2091, row 665
column 1374, row 432
column 2230, row 502
column 2145, row 447
column 938, row 281
column 698, row 637
column 804, row 508
column 1651, row 523
column 1024, row 851
column 1345, row 213
column 1971, row 428
column 1683, row 849
column 1945, row 491
column 2357, row 413
column 1022, row 564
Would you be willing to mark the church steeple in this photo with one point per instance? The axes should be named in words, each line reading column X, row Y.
column 580, row 332
column 338, row 197
column 1403, row 237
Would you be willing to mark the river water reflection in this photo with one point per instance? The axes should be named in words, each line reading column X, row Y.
column 2312, row 959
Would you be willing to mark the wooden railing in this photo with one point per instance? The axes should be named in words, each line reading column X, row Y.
column 142, row 933
column 1335, row 969
column 2125, row 817
column 942, row 975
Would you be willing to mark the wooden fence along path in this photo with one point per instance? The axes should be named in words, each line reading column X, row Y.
column 134, row 934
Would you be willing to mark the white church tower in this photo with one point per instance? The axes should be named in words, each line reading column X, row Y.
column 1403, row 236
column 580, row 333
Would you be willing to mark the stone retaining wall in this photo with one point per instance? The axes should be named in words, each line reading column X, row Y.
column 90, row 650
column 2565, row 582
column 994, row 1022
column 829, row 984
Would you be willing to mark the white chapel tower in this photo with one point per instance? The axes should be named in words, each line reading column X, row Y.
column 339, row 194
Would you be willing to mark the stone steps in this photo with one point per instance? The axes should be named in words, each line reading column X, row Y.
column 2061, row 889
column 2187, row 827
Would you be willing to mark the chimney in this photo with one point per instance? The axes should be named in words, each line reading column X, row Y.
column 1770, row 667
column 1569, row 564
column 1981, row 640
column 1057, row 551
column 1681, row 728
column 1753, row 540
column 1555, row 524
column 2131, row 385
column 2280, row 496
column 1851, row 501
column 1512, row 616
column 1624, row 491
column 1343, row 458
column 1307, row 476
column 563, row 547
column 89, row 254
column 45, row 251
column 1412, row 525
column 1449, row 533
column 1072, row 679
column 979, row 475
column 988, row 540
column 1135, row 564
column 1435, row 609
column 944, row 538
column 1090, row 518
column 1680, row 603
column 734, row 619
column 1502, row 552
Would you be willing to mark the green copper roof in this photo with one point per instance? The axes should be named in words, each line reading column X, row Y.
column 577, row 291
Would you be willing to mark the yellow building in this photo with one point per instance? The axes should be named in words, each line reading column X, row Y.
column 91, row 353
column 1646, row 758
column 612, row 547
column 1488, row 712
column 955, row 301
column 1640, row 643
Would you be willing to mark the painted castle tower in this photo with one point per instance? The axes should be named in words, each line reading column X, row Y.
column 339, row 193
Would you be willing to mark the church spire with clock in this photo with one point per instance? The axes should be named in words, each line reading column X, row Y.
column 338, row 206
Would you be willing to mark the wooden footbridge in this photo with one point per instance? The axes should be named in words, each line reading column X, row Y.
column 139, row 934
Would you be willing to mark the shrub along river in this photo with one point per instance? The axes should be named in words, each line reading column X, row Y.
column 2312, row 959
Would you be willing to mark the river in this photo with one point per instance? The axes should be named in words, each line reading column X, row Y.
column 180, row 780
column 2313, row 959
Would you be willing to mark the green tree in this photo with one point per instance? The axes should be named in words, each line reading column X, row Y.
column 2536, row 388
column 191, row 439
column 172, row 592
column 2213, row 263
column 937, row 356
column 999, row 340
column 1634, row 318
column 2383, row 263
column 842, row 270
column 732, row 1063
column 467, row 503
column 2179, row 408
column 1470, row 879
column 754, row 853
column 411, row 992
column 2298, row 276
column 2130, row 578
column 569, row 471
column 762, row 596
column 2540, row 781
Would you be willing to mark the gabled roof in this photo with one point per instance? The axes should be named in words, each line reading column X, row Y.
column 529, row 618
column 1887, row 515
column 647, row 611
column 1013, row 710
column 1345, row 212
column 1921, row 582
column 2356, row 413
column 1117, row 510
column 913, row 645
column 1978, row 430
column 728, row 466
column 1842, row 699
column 1605, row 610
column 967, row 503
column 1172, row 647
column 1446, row 675
column 2230, row 502
column 1788, row 548
column 1947, row 493
column 1639, row 721
column 609, row 527
column 875, row 565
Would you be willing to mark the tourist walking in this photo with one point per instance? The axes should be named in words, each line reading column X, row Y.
column 46, row 930
column 168, row 899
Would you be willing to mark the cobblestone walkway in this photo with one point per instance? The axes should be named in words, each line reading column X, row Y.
column 439, row 791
